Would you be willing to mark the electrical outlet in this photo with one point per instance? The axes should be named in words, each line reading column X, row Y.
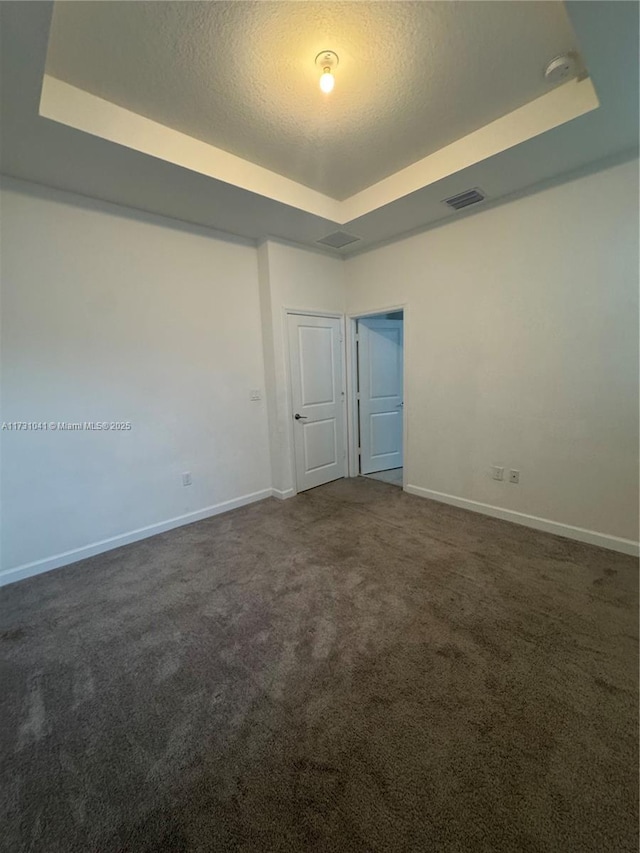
column 497, row 472
column 255, row 395
column 514, row 476
column 186, row 478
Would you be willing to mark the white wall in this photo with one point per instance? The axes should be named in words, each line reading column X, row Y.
column 521, row 350
column 299, row 279
column 112, row 316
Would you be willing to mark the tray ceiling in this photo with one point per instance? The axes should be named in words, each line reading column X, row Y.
column 413, row 76
column 60, row 135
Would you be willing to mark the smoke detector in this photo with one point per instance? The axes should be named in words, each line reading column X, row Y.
column 561, row 69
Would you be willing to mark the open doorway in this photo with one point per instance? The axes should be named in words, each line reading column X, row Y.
column 378, row 404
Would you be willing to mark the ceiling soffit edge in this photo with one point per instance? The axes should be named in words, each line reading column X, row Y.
column 76, row 108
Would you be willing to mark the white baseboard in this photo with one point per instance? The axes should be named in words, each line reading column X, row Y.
column 591, row 537
column 283, row 495
column 40, row 566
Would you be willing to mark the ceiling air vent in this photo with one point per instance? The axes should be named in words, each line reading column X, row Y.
column 338, row 239
column 458, row 202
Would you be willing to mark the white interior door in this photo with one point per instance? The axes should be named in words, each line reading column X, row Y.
column 381, row 402
column 317, row 391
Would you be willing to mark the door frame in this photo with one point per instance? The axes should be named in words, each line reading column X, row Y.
column 289, row 390
column 352, row 386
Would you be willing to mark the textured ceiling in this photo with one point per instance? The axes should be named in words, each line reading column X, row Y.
column 40, row 151
column 413, row 76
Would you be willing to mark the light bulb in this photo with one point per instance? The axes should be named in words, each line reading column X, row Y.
column 327, row 81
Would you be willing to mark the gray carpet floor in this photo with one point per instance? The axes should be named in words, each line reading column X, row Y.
column 354, row 669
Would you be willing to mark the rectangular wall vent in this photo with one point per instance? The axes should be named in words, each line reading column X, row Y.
column 338, row 239
column 458, row 202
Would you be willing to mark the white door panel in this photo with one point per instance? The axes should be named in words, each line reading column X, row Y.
column 317, row 385
column 380, row 346
column 385, row 360
column 315, row 346
column 385, row 429
column 320, row 444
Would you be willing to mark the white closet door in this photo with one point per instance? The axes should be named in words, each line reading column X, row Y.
column 380, row 348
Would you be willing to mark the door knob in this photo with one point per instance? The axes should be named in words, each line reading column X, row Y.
column 300, row 417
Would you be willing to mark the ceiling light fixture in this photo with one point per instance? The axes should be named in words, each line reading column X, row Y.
column 327, row 60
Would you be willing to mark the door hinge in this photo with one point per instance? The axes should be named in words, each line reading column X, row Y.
column 357, row 395
column 359, row 451
column 357, row 338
